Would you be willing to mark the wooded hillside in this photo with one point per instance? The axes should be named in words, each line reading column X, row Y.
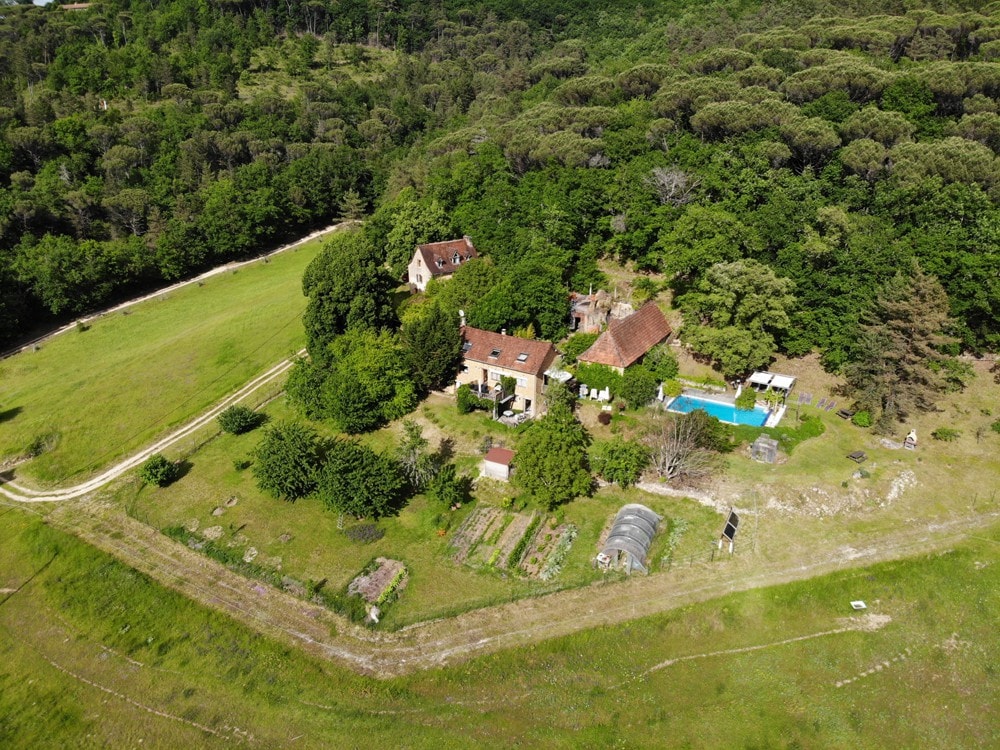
column 828, row 147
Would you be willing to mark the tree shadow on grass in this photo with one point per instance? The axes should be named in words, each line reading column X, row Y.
column 183, row 467
column 7, row 414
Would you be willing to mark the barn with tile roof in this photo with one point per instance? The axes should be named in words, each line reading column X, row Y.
column 626, row 341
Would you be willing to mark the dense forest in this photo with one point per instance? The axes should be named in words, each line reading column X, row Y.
column 774, row 165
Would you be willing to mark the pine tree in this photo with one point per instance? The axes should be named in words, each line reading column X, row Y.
column 897, row 368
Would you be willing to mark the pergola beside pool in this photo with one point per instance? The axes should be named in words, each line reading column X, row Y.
column 761, row 381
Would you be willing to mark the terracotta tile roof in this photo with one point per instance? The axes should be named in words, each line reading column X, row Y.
column 529, row 356
column 499, row 456
column 439, row 257
column 626, row 340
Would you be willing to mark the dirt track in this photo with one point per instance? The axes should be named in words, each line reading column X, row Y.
column 448, row 641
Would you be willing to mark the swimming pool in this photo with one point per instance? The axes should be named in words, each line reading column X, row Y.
column 722, row 411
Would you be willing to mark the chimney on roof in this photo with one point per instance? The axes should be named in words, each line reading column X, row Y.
column 461, row 318
column 503, row 331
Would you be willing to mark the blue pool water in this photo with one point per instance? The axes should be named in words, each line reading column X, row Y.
column 723, row 412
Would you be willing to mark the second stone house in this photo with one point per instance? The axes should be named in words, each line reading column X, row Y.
column 488, row 356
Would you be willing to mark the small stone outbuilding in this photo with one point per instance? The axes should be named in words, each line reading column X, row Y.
column 498, row 464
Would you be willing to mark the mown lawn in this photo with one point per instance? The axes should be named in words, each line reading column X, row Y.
column 90, row 650
column 93, row 396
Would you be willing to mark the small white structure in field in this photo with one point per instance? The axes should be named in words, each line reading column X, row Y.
column 910, row 443
column 497, row 464
column 858, row 605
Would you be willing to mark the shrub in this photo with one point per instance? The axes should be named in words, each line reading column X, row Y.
column 238, row 419
column 604, row 417
column 159, row 470
column 599, row 377
column 995, row 426
column 364, row 533
column 577, row 344
column 240, row 464
column 747, row 399
column 661, row 362
column 465, row 400
column 40, row 444
column 672, row 388
column 862, row 419
column 638, row 386
column 946, row 433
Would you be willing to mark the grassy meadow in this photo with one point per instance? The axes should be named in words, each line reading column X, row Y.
column 96, row 655
column 302, row 539
column 92, row 396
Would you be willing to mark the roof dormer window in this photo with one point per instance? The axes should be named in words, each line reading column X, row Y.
column 439, row 263
column 455, row 260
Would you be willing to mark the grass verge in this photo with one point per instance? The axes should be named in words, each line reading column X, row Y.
column 96, row 655
column 86, row 398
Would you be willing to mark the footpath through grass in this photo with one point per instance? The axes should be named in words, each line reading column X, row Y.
column 93, row 654
column 87, row 398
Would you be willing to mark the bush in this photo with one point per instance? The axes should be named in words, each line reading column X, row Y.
column 577, row 344
column 365, row 533
column 747, row 399
column 604, row 417
column 995, row 426
column 946, row 434
column 464, row 399
column 599, row 377
column 672, row 388
column 159, row 470
column 40, row 444
column 862, row 419
column 638, row 386
column 238, row 419
column 661, row 362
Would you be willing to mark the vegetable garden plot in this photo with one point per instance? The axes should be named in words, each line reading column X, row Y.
column 503, row 540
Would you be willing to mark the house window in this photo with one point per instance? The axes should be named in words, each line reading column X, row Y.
column 495, row 353
column 522, row 382
column 420, row 279
column 522, row 357
column 466, row 346
column 455, row 260
column 439, row 263
column 463, row 368
column 494, row 375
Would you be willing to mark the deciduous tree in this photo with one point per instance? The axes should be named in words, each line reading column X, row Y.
column 552, row 463
column 286, row 461
column 357, row 480
column 683, row 447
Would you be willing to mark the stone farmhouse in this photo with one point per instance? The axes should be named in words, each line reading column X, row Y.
column 438, row 260
column 627, row 340
column 488, row 356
